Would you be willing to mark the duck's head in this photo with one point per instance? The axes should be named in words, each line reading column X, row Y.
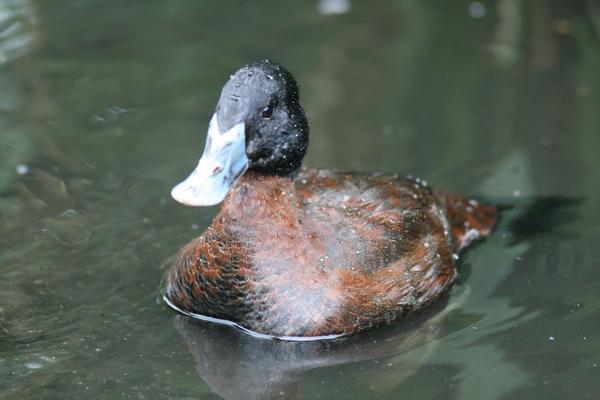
column 258, row 125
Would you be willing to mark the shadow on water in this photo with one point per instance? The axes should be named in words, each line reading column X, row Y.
column 543, row 215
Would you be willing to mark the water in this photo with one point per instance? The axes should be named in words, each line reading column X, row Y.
column 103, row 108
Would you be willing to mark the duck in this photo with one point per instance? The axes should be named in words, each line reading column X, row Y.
column 307, row 254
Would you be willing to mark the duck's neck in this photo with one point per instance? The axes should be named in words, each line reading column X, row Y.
column 260, row 196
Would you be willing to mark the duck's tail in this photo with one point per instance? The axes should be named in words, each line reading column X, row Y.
column 469, row 219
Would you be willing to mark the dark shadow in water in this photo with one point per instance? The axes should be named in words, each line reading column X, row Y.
column 542, row 215
column 238, row 366
column 536, row 216
column 546, row 283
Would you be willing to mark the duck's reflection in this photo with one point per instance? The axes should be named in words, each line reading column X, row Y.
column 238, row 366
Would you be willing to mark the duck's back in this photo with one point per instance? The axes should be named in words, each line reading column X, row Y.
column 368, row 223
column 332, row 253
column 387, row 200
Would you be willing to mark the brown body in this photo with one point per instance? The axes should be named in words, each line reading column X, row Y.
column 327, row 253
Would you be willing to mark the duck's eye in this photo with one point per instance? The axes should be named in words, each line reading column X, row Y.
column 267, row 112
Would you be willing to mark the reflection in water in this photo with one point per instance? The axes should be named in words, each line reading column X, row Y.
column 16, row 34
column 238, row 366
column 17, row 38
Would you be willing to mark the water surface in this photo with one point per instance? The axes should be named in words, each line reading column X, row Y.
column 104, row 106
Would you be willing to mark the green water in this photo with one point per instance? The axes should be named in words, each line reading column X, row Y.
column 104, row 106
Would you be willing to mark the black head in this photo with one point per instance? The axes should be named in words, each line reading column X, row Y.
column 264, row 96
